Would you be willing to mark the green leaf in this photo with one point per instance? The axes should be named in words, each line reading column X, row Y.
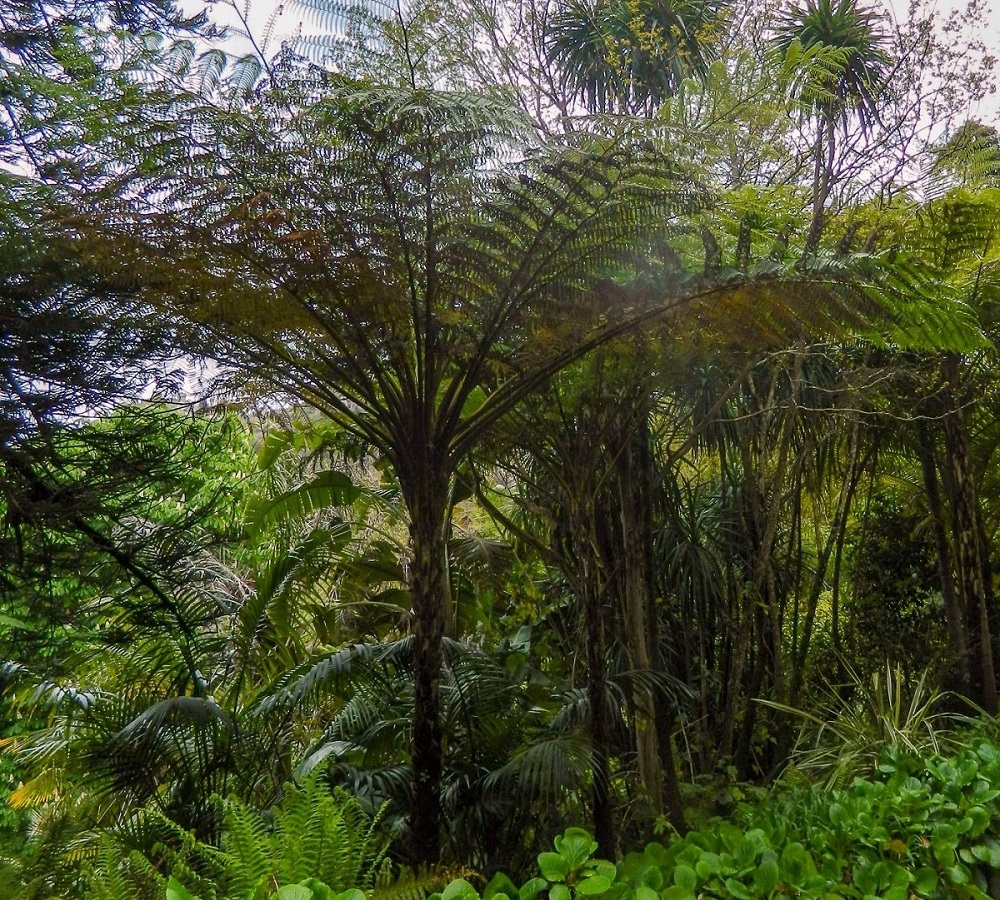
column 576, row 846
column 177, row 891
column 321, row 891
column 325, row 490
column 553, row 866
column 957, row 874
column 593, row 885
column 350, row 894
column 652, row 877
column 686, row 877
column 737, row 889
column 293, row 892
column 765, row 876
column 460, row 889
column 476, row 398
column 677, row 893
column 532, row 888
column 989, row 853
column 559, row 892
column 274, row 444
column 925, row 881
column 707, row 866
column 864, row 879
column 603, row 867
column 499, row 884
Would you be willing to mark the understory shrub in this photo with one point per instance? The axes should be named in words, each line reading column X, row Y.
column 922, row 827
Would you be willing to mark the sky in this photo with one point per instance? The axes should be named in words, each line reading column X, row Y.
column 288, row 18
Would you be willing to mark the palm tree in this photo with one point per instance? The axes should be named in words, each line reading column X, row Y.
column 626, row 58
column 851, row 78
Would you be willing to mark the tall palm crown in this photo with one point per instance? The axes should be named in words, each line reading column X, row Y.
column 628, row 57
column 856, row 75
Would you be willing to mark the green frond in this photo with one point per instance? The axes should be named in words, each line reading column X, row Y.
column 544, row 769
column 327, row 489
column 970, row 158
column 248, row 858
column 323, row 835
column 415, row 883
column 322, row 673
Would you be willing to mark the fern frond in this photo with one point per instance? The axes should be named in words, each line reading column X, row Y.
column 248, row 858
column 416, row 883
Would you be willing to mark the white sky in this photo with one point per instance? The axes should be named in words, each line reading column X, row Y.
column 290, row 15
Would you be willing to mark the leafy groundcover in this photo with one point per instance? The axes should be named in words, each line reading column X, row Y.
column 919, row 828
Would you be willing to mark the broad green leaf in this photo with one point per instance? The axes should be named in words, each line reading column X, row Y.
column 274, row 444
column 677, row 893
column 576, row 846
column 765, row 876
column 553, row 866
column 460, row 889
column 350, row 894
column 532, row 888
column 177, row 891
column 320, row 891
column 593, row 885
column 499, row 884
column 293, row 892
column 603, row 867
column 925, row 880
column 686, row 877
column 737, row 889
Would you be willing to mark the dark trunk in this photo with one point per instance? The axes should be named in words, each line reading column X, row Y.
column 969, row 549
column 429, row 593
column 634, row 484
column 954, row 614
column 600, row 740
column 664, row 719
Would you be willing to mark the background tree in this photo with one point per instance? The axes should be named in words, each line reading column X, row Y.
column 618, row 57
column 853, row 76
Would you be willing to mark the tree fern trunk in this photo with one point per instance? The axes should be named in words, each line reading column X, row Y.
column 429, row 596
column 633, row 490
column 600, row 739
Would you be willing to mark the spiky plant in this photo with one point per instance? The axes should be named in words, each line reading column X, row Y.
column 628, row 58
column 847, row 733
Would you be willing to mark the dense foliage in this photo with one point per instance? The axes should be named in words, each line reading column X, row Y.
column 921, row 826
column 472, row 424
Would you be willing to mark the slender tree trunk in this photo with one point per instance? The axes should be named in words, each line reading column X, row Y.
column 968, row 535
column 664, row 721
column 429, row 592
column 834, row 540
column 953, row 611
column 600, row 740
column 824, row 153
column 633, row 491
